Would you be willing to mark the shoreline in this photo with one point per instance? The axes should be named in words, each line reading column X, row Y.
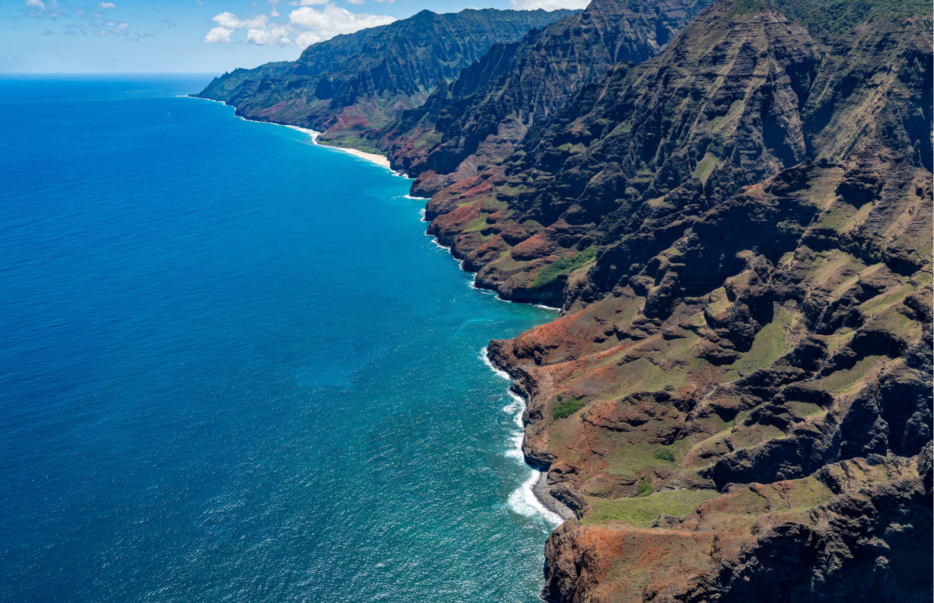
column 372, row 157
column 539, row 490
column 551, row 509
column 314, row 134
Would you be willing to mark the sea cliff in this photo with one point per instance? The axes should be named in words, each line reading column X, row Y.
column 736, row 222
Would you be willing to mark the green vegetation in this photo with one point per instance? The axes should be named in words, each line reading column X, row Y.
column 705, row 166
column 550, row 273
column 645, row 489
column 767, row 347
column 631, row 460
column 642, row 511
column 476, row 225
column 352, row 142
column 829, row 19
column 565, row 409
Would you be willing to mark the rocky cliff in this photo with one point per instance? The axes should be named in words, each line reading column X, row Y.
column 351, row 84
column 736, row 221
column 739, row 232
column 479, row 118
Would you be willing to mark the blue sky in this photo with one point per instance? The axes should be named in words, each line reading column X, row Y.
column 196, row 36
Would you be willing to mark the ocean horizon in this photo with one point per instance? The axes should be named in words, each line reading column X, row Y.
column 235, row 368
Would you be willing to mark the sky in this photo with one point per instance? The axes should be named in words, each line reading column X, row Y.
column 194, row 36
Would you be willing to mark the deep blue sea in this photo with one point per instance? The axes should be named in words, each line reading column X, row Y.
column 233, row 367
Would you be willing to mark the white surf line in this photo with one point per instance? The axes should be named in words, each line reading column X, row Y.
column 485, row 357
column 210, row 100
column 523, row 500
column 371, row 157
column 314, row 134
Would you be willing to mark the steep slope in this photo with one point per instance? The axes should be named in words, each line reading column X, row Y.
column 737, row 98
column 740, row 233
column 477, row 119
column 353, row 83
column 843, row 534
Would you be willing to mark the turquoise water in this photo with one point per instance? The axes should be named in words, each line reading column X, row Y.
column 233, row 368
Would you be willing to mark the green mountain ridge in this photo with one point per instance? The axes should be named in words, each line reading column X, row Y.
column 355, row 82
column 477, row 119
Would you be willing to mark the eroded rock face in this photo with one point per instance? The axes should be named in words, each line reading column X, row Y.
column 632, row 162
column 754, row 322
column 855, row 531
column 479, row 118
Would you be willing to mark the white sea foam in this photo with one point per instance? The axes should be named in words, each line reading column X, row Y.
column 434, row 240
column 523, row 500
column 544, row 307
column 485, row 357
column 313, row 133
column 210, row 100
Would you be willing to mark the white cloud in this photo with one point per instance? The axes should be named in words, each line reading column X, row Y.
column 273, row 35
column 218, row 35
column 230, row 21
column 107, row 5
column 330, row 20
column 548, row 4
column 306, row 25
column 36, row 4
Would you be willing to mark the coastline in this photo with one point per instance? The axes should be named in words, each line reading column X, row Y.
column 314, row 134
column 372, row 157
column 552, row 510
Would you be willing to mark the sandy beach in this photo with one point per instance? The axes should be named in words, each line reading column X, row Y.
column 377, row 159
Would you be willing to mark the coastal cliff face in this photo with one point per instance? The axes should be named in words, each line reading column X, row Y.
column 739, row 232
column 349, row 85
column 736, row 400
column 479, row 118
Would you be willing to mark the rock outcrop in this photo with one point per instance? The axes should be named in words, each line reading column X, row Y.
column 739, row 233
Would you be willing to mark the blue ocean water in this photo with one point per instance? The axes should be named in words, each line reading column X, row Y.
column 233, row 368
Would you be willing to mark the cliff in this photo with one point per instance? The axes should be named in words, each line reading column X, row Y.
column 351, row 84
column 478, row 119
column 739, row 233
column 736, row 220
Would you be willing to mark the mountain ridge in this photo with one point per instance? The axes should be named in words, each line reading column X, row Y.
column 354, row 82
column 479, row 118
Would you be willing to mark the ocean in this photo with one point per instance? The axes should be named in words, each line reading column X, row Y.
column 234, row 368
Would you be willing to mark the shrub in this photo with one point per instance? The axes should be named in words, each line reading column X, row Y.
column 565, row 265
column 644, row 490
column 669, row 388
column 663, row 454
column 567, row 408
